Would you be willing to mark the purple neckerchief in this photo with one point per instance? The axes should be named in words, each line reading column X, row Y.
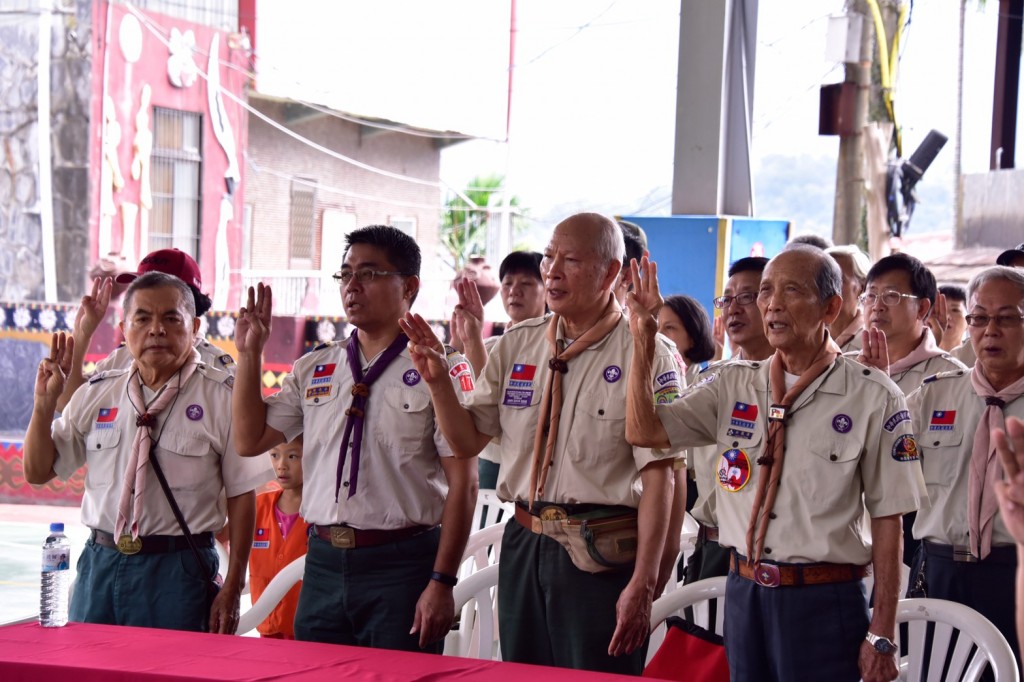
column 357, row 410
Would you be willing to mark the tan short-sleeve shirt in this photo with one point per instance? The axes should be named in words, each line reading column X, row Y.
column 593, row 463
column 195, row 449
column 849, row 446
column 400, row 481
column 946, row 413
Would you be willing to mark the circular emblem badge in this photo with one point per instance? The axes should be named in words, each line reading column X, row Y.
column 733, row 470
column 842, row 423
column 194, row 412
column 411, row 378
column 612, row 373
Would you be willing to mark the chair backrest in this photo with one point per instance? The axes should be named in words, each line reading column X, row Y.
column 974, row 641
column 704, row 602
column 687, row 544
column 490, row 510
column 476, row 634
column 483, row 548
column 272, row 595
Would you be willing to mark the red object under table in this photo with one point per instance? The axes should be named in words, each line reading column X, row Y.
column 82, row 652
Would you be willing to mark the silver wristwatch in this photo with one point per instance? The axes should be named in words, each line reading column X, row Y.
column 883, row 645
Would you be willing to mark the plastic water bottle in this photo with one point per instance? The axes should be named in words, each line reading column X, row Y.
column 56, row 578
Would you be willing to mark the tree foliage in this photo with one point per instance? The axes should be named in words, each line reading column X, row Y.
column 464, row 228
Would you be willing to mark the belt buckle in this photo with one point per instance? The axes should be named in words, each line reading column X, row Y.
column 553, row 513
column 127, row 545
column 963, row 554
column 343, row 537
column 767, row 575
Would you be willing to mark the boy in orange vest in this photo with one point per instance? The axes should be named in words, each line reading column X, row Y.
column 280, row 537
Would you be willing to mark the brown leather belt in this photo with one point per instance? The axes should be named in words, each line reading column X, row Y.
column 707, row 533
column 527, row 520
column 793, row 575
column 346, row 537
column 531, row 521
column 999, row 554
column 150, row 544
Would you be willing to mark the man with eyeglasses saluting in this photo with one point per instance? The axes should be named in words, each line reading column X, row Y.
column 389, row 506
column 967, row 555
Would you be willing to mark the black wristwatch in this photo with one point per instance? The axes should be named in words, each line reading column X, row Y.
column 883, row 645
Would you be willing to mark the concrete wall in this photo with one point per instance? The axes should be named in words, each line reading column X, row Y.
column 993, row 209
column 21, row 259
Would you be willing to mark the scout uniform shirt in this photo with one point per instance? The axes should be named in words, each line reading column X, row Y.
column 703, row 462
column 965, row 353
column 592, row 463
column 400, row 483
column 209, row 354
column 946, row 413
column 848, row 437
column 194, row 448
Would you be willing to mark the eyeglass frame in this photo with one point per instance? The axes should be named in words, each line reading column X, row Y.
column 862, row 299
column 340, row 278
column 1017, row 320
column 723, row 302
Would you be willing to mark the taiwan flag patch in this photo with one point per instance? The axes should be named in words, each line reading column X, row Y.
column 522, row 375
column 942, row 420
column 261, row 539
column 105, row 418
column 744, row 415
column 322, row 374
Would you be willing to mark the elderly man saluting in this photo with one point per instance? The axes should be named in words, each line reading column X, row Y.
column 838, row 435
column 553, row 393
column 167, row 410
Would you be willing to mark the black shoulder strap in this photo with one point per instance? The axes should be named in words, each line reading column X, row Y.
column 203, row 568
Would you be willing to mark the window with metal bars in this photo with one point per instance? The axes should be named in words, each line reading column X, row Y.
column 176, row 177
column 303, row 238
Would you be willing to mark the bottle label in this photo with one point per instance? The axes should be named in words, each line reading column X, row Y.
column 56, row 559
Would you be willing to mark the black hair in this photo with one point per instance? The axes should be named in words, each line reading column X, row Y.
column 698, row 327
column 524, row 262
column 203, row 302
column 922, row 281
column 748, row 264
column 154, row 279
column 954, row 292
column 634, row 247
column 401, row 250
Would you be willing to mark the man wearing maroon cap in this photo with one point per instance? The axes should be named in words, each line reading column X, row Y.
column 94, row 308
column 1013, row 258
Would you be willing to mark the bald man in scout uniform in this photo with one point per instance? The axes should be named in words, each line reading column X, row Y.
column 567, row 461
column 137, row 567
column 389, row 507
column 967, row 554
column 795, row 607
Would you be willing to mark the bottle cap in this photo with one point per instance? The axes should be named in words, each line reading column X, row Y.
column 56, row 527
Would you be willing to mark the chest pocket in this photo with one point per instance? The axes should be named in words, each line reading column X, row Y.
column 827, row 472
column 101, row 450
column 940, row 455
column 415, row 420
column 600, row 425
column 320, row 395
column 188, row 459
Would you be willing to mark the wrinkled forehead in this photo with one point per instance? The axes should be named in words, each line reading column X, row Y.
column 995, row 295
column 791, row 267
column 158, row 300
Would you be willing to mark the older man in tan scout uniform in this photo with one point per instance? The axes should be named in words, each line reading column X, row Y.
column 967, row 554
column 795, row 606
column 848, row 325
column 553, row 392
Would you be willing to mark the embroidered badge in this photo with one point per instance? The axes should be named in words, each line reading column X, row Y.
column 261, row 539
column 226, row 360
column 411, row 378
column 664, row 396
column 522, row 376
column 905, row 449
column 194, row 412
column 612, row 373
column 105, row 418
column 895, row 420
column 461, row 372
column 733, row 470
column 842, row 423
column 517, row 397
column 230, row 382
column 667, row 377
column 942, row 420
column 318, row 391
column 776, row 413
column 706, row 380
column 736, row 433
column 322, row 374
column 744, row 416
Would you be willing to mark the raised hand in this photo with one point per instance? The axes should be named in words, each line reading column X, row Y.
column 425, row 349
column 254, row 320
column 939, row 318
column 874, row 350
column 93, row 308
column 53, row 370
column 468, row 317
column 1010, row 491
column 645, row 300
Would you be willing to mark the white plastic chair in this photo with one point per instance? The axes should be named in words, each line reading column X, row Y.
column 687, row 545
column 476, row 635
column 978, row 642
column 698, row 596
column 483, row 548
column 869, row 582
column 272, row 595
column 490, row 510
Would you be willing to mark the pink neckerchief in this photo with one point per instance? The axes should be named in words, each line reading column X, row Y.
column 926, row 350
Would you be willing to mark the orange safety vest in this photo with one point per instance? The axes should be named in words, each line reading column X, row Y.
column 270, row 553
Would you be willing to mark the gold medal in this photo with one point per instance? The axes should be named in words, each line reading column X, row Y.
column 553, row 513
column 126, row 545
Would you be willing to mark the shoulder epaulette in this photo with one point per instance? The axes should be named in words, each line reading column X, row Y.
column 216, row 374
column 529, row 324
column 945, row 375
column 325, row 344
column 108, row 374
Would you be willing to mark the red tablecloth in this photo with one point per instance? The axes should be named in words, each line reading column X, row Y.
column 85, row 653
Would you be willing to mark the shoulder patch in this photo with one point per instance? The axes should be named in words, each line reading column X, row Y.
column 226, row 360
column 325, row 344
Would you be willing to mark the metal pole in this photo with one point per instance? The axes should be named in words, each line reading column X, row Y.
column 45, row 159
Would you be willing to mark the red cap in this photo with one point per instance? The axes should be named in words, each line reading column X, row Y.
column 170, row 262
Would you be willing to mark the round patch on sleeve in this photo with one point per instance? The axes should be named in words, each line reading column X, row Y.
column 905, row 449
column 733, row 470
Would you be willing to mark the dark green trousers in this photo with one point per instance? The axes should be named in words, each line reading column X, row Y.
column 551, row 613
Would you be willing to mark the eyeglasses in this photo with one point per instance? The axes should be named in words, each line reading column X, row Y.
column 1003, row 321
column 889, row 298
column 723, row 302
column 362, row 276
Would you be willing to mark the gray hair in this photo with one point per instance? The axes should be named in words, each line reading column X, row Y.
column 828, row 279
column 1014, row 276
column 155, row 279
column 859, row 259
